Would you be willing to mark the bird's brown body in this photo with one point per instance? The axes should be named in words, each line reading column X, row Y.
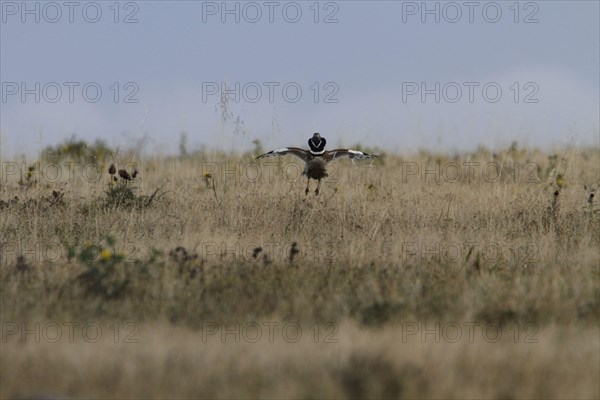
column 316, row 168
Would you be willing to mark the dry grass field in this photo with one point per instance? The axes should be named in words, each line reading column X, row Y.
column 213, row 276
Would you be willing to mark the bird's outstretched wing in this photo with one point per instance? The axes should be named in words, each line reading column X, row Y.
column 354, row 154
column 296, row 151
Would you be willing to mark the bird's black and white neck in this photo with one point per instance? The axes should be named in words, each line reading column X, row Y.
column 317, row 144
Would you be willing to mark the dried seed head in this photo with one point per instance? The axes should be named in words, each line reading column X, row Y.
column 124, row 175
column 30, row 171
column 293, row 251
column 112, row 169
column 135, row 174
column 256, row 252
column 21, row 264
column 179, row 254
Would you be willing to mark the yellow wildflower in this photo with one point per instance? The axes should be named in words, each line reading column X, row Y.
column 560, row 181
column 105, row 255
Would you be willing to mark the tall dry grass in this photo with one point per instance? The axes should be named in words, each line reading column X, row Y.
column 505, row 243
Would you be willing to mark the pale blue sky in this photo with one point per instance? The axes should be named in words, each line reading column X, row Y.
column 372, row 57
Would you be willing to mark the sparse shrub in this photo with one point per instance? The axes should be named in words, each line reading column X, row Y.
column 379, row 314
column 105, row 273
column 78, row 150
column 121, row 192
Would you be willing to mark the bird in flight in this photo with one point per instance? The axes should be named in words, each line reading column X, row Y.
column 316, row 158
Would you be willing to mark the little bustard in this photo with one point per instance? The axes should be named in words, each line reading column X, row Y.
column 316, row 158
